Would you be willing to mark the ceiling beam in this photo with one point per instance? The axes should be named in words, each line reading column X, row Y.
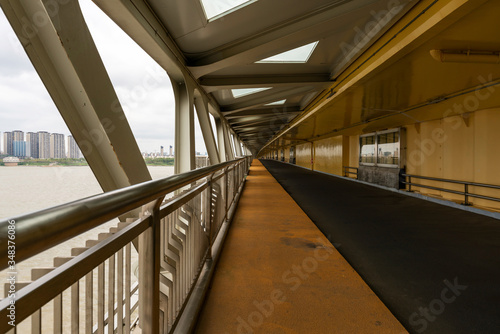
column 269, row 110
column 268, row 96
column 217, row 82
column 254, row 119
column 254, row 48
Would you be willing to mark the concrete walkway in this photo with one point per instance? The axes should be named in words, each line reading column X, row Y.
column 278, row 274
column 437, row 268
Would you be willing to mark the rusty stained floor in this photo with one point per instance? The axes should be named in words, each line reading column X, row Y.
column 278, row 274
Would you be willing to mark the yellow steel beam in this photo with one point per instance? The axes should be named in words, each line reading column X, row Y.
column 422, row 22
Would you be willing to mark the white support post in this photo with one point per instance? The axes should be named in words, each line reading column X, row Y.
column 237, row 145
column 220, row 139
column 206, row 128
column 227, row 141
column 184, row 127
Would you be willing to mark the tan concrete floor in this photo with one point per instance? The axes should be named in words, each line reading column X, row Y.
column 278, row 274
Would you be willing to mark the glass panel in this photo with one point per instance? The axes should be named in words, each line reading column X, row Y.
column 240, row 92
column 297, row 55
column 388, row 148
column 367, row 150
column 215, row 8
column 276, row 103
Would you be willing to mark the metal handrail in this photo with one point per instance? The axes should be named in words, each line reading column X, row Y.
column 466, row 185
column 76, row 217
column 39, row 231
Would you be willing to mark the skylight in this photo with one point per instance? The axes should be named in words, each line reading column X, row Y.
column 240, row 92
column 276, row 103
column 218, row 8
column 297, row 55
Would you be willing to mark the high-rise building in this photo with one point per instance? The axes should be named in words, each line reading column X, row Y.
column 43, row 145
column 161, row 151
column 170, row 151
column 73, row 149
column 7, row 143
column 32, row 148
column 19, row 148
column 17, row 135
column 18, row 144
column 57, row 150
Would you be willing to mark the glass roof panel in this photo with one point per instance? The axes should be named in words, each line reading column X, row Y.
column 240, row 92
column 276, row 103
column 215, row 9
column 297, row 55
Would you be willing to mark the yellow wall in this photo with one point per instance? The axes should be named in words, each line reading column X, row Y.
column 457, row 148
column 303, row 155
column 353, row 151
column 328, row 155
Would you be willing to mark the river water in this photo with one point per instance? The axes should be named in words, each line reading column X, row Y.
column 26, row 189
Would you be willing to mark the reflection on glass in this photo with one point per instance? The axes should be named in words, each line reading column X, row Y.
column 367, row 150
column 388, row 148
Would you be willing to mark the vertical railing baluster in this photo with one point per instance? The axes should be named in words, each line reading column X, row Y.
column 58, row 310
column 89, row 301
column 149, row 275
column 36, row 322
column 119, row 293
column 111, row 294
column 100, row 298
column 75, row 308
column 128, row 286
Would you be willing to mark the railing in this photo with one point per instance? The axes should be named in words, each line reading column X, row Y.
column 95, row 289
column 348, row 171
column 466, row 193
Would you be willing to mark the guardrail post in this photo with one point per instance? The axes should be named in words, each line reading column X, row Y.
column 208, row 215
column 466, row 194
column 409, row 184
column 149, row 275
column 226, row 192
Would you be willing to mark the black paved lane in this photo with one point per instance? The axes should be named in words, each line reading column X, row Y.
column 435, row 267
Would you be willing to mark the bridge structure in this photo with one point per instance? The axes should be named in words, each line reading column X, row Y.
column 388, row 108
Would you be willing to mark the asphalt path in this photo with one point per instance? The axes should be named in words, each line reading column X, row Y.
column 436, row 268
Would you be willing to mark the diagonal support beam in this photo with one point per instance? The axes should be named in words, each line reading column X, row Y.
column 227, row 141
column 201, row 104
column 62, row 51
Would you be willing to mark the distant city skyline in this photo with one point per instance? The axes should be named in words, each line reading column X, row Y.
column 150, row 109
column 168, row 148
column 38, row 145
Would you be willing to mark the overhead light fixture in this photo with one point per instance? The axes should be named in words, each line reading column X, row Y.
column 466, row 56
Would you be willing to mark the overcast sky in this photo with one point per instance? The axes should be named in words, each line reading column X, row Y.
column 26, row 105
